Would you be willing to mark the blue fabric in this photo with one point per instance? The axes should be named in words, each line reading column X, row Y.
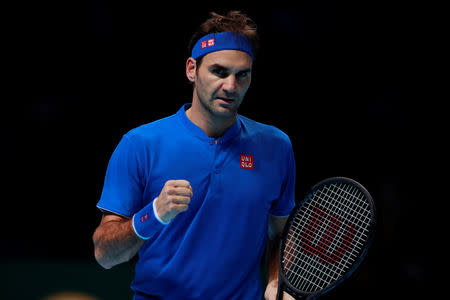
column 214, row 249
column 222, row 41
column 146, row 223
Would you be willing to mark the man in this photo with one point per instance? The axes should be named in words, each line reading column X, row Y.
column 198, row 193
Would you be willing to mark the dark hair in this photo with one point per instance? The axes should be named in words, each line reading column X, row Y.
column 233, row 21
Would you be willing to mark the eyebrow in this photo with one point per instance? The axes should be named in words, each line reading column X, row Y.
column 226, row 68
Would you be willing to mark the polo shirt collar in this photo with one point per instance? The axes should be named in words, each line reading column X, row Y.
column 198, row 132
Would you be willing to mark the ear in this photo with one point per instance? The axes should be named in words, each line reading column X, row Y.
column 191, row 67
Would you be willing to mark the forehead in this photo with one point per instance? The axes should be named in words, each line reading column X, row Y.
column 232, row 59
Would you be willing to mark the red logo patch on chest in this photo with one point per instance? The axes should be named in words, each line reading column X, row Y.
column 246, row 161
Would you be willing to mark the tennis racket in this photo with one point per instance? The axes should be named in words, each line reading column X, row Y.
column 325, row 238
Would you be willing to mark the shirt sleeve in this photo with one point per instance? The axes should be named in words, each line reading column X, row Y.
column 286, row 202
column 122, row 188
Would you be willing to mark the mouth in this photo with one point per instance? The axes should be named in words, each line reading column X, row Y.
column 225, row 100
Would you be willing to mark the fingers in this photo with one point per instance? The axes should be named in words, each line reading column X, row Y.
column 178, row 186
column 178, row 183
column 179, row 191
column 173, row 199
column 286, row 296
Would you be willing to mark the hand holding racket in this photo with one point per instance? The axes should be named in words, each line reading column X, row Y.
column 325, row 238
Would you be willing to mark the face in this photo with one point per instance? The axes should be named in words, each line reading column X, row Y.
column 221, row 82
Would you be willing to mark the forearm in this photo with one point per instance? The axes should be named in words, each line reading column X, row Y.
column 276, row 225
column 115, row 242
column 272, row 259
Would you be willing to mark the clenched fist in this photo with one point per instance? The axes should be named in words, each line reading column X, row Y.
column 173, row 199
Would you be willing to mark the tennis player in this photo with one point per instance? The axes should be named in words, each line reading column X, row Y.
column 200, row 194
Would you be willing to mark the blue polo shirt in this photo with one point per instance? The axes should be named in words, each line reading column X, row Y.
column 214, row 249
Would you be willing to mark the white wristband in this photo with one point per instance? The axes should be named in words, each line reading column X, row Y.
column 156, row 213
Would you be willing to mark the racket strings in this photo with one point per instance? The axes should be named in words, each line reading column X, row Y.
column 323, row 233
column 326, row 236
column 319, row 246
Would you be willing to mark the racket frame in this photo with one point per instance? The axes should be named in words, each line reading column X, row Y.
column 284, row 284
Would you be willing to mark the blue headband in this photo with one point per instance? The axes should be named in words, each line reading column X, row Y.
column 222, row 41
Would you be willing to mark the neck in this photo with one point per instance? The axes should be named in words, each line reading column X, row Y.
column 213, row 126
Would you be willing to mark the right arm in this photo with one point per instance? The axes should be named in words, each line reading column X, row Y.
column 115, row 241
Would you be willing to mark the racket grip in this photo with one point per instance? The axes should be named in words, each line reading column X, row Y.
column 280, row 291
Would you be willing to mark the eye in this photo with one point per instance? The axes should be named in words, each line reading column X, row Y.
column 220, row 72
column 242, row 74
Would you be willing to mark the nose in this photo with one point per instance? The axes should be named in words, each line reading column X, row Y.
column 229, row 84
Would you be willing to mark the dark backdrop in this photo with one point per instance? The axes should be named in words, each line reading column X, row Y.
column 344, row 82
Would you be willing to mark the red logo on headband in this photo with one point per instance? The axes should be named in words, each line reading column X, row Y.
column 207, row 43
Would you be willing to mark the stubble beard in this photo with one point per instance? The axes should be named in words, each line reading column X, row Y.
column 218, row 111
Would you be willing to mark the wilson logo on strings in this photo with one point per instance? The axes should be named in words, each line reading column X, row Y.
column 325, row 236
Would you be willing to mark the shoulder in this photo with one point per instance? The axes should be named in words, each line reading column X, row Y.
column 153, row 131
column 263, row 131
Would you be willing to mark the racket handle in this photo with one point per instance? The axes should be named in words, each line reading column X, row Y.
column 280, row 292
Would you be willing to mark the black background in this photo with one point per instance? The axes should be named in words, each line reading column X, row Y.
column 346, row 83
